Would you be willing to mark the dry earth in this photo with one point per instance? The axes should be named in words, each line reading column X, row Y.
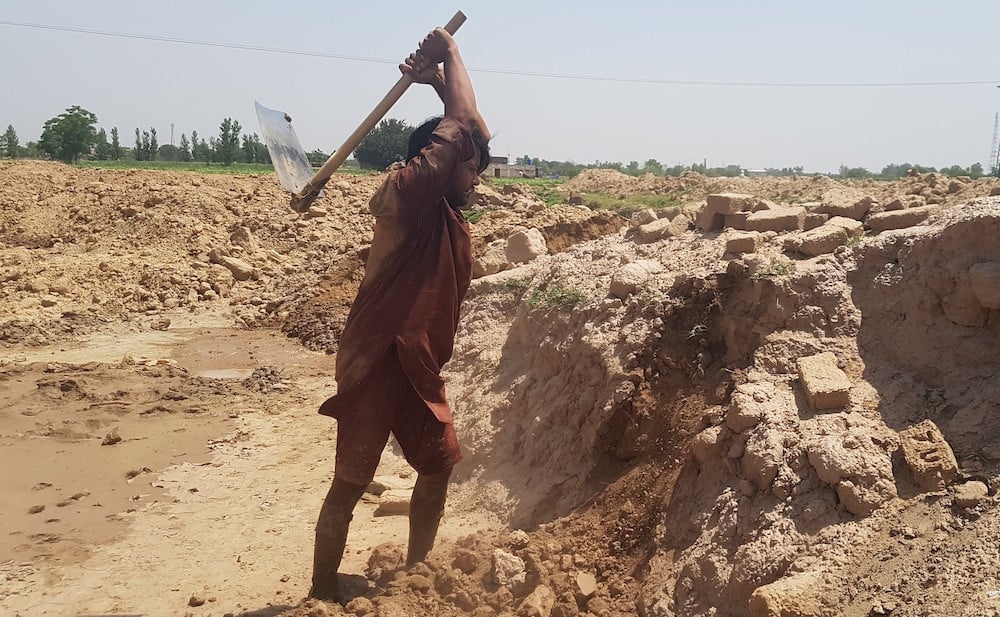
column 719, row 410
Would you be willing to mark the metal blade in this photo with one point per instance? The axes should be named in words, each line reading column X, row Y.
column 287, row 155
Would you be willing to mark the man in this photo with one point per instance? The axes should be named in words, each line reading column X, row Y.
column 402, row 325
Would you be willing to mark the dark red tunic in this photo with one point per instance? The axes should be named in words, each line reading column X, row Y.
column 418, row 272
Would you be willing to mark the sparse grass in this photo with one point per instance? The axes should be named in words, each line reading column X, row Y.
column 474, row 216
column 853, row 241
column 544, row 188
column 626, row 205
column 776, row 267
column 552, row 297
column 563, row 298
column 516, row 287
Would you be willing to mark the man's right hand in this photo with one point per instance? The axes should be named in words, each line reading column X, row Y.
column 438, row 45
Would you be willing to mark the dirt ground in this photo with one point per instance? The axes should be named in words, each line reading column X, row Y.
column 639, row 438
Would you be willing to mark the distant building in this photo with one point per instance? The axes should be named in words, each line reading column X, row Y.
column 753, row 173
column 500, row 167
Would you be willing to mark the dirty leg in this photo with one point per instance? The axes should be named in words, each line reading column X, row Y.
column 426, row 508
column 331, row 537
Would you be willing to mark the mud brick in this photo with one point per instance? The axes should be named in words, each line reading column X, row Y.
column 928, row 455
column 780, row 219
column 731, row 203
column 819, row 241
column 737, row 220
column 852, row 227
column 814, row 220
column 899, row 219
column 826, row 386
column 742, row 242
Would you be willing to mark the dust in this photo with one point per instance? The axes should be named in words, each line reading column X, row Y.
column 651, row 451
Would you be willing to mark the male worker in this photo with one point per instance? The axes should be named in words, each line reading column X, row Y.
column 402, row 325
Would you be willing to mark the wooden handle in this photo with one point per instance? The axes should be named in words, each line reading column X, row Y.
column 304, row 198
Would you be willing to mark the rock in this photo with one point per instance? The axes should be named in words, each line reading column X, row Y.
column 970, row 494
column 658, row 230
column 160, row 324
column 419, row 583
column 742, row 242
column 779, row 219
column 393, row 502
column 799, row 595
column 36, row 509
column 995, row 191
column 360, row 606
column 884, row 221
column 928, row 455
column 196, row 601
column 466, row 561
column 852, row 461
column 242, row 236
column 820, row 241
column 538, row 603
column 643, row 217
column 525, row 245
column 763, row 455
column 586, row 584
column 904, row 202
column 748, row 404
column 241, row 270
column 826, row 386
column 48, row 300
column 111, row 438
column 706, row 445
column 985, row 280
column 508, row 569
column 493, row 259
column 631, row 277
column 518, row 539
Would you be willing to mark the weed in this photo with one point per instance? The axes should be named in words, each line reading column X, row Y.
column 563, row 298
column 775, row 268
column 627, row 205
column 474, row 216
column 853, row 241
column 516, row 287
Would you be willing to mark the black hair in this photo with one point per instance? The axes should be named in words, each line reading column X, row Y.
column 420, row 138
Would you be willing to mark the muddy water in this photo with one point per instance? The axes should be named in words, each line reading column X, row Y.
column 66, row 491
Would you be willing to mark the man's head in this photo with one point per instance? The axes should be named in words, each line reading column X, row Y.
column 467, row 172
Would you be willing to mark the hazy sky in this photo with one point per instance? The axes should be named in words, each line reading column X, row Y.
column 133, row 83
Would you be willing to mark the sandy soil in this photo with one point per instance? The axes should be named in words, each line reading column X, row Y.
column 638, row 437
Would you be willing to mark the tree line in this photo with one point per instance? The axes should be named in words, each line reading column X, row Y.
column 74, row 135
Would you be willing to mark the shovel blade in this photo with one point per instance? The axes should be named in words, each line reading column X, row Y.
column 287, row 155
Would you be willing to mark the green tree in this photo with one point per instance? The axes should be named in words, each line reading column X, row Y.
column 632, row 168
column 152, row 147
column 140, row 151
column 254, row 150
column 184, row 154
column 102, row 150
column 229, row 141
column 116, row 146
column 652, row 166
column 9, row 143
column 317, row 157
column 168, row 152
column 386, row 144
column 69, row 135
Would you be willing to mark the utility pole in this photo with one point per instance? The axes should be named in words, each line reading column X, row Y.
column 171, row 133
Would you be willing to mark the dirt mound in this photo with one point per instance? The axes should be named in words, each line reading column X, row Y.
column 660, row 425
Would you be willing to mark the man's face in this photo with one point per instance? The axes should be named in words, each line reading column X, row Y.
column 464, row 184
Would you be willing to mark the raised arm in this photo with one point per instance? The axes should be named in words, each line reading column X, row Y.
column 452, row 84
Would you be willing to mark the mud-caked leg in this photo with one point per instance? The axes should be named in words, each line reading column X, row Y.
column 426, row 508
column 331, row 537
